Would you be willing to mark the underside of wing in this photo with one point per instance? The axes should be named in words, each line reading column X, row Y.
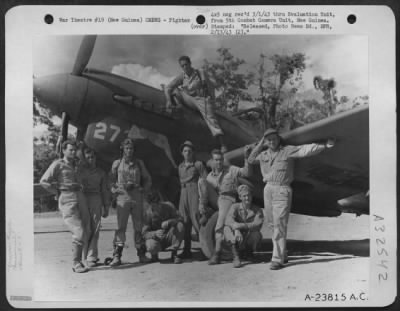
column 335, row 180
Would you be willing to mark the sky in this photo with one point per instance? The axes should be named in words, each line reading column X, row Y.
column 152, row 59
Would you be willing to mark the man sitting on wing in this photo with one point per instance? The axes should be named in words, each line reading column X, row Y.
column 194, row 88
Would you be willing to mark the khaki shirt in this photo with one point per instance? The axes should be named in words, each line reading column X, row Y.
column 94, row 180
column 191, row 172
column 278, row 167
column 241, row 218
column 192, row 84
column 61, row 175
column 224, row 182
column 155, row 215
column 130, row 172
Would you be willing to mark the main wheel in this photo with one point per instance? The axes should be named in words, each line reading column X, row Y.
column 207, row 239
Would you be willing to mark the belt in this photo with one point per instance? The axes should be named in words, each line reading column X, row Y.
column 277, row 183
column 128, row 186
column 184, row 185
column 229, row 194
column 73, row 188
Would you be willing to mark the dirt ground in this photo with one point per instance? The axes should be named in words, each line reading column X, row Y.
column 326, row 255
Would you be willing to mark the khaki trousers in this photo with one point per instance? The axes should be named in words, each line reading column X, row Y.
column 130, row 205
column 250, row 241
column 277, row 204
column 172, row 240
column 95, row 203
column 207, row 111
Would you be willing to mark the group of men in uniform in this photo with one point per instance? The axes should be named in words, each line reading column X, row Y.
column 85, row 193
column 84, row 197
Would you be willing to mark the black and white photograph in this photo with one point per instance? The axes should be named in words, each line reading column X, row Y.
column 185, row 169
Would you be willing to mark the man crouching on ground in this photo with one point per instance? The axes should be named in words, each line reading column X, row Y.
column 163, row 228
column 242, row 226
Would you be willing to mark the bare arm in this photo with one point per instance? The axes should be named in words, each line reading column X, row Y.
column 202, row 170
column 173, row 218
column 147, row 233
column 177, row 81
column 113, row 176
column 49, row 178
column 203, row 193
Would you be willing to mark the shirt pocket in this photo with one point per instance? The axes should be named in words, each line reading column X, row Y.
column 281, row 165
column 264, row 159
column 228, row 184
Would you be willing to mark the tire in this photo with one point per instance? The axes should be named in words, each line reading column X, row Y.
column 207, row 239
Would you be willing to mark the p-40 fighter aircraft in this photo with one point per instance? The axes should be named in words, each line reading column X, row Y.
column 107, row 108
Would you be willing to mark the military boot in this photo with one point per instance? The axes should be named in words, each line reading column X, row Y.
column 117, row 254
column 236, row 258
column 154, row 258
column 187, row 253
column 77, row 265
column 215, row 258
column 174, row 258
column 141, row 253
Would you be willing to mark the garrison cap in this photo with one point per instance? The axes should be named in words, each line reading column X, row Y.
column 270, row 131
column 243, row 189
column 187, row 143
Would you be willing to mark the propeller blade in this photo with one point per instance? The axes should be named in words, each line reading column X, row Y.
column 64, row 133
column 84, row 54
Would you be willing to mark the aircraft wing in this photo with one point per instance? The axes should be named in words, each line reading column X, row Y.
column 335, row 180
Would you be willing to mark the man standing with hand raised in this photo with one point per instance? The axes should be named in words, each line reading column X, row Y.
column 277, row 169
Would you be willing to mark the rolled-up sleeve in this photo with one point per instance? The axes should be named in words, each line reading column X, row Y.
column 49, row 178
column 177, row 81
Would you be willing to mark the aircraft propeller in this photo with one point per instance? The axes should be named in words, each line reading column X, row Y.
column 84, row 54
column 82, row 59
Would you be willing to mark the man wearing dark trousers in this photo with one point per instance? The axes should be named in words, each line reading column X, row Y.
column 190, row 171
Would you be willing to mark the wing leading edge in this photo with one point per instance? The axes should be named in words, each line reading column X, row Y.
column 340, row 173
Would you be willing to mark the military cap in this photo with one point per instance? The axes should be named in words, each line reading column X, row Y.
column 270, row 131
column 243, row 189
column 187, row 143
column 127, row 141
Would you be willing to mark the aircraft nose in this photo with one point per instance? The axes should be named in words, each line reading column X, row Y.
column 62, row 93
column 48, row 91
